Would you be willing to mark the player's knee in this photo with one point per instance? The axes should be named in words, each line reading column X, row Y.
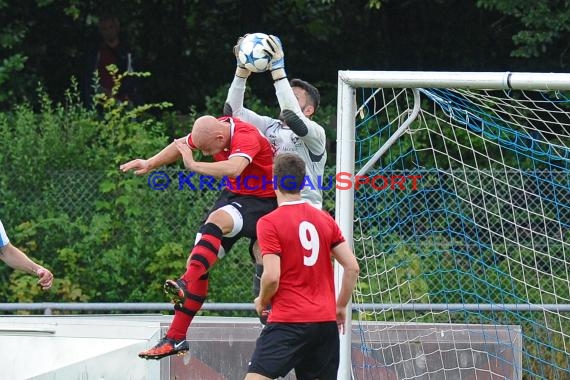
column 228, row 218
column 221, row 219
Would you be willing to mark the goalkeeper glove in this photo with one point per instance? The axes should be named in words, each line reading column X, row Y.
column 277, row 62
column 241, row 71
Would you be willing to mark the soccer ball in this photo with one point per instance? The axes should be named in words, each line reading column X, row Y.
column 253, row 52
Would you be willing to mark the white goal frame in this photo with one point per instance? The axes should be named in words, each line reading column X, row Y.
column 349, row 81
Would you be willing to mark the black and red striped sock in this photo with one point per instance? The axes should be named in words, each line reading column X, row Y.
column 183, row 316
column 204, row 254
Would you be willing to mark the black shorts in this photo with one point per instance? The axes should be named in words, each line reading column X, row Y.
column 312, row 349
column 251, row 209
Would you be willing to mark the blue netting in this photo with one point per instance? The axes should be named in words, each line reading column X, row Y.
column 489, row 223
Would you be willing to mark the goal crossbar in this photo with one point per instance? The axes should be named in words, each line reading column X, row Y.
column 442, row 79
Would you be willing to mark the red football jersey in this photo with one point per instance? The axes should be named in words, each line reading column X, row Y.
column 247, row 141
column 303, row 237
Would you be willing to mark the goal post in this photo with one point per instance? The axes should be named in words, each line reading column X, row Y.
column 459, row 214
column 345, row 215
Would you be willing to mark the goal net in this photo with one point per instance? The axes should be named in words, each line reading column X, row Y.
column 459, row 213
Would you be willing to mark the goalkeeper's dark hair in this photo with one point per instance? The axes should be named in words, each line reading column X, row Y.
column 289, row 173
column 311, row 90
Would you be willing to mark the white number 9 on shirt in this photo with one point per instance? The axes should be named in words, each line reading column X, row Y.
column 310, row 241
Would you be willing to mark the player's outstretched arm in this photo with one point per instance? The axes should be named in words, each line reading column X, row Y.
column 233, row 105
column 294, row 116
column 15, row 258
column 139, row 166
column 166, row 156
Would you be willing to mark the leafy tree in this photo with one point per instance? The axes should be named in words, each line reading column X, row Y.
column 188, row 50
column 545, row 26
column 11, row 60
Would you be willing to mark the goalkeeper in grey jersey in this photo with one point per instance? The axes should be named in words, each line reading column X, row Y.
column 293, row 132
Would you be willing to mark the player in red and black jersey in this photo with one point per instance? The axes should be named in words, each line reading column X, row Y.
column 298, row 243
column 246, row 175
column 244, row 158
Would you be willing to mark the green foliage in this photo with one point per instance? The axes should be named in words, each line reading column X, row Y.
column 12, row 58
column 375, row 4
column 544, row 23
column 96, row 240
column 50, row 38
column 105, row 234
column 116, row 111
column 399, row 272
column 8, row 68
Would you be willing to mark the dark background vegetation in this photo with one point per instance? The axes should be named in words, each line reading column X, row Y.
column 186, row 44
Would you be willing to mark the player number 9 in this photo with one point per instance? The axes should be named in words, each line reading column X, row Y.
column 310, row 241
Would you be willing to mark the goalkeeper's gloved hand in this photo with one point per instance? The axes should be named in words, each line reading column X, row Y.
column 241, row 71
column 277, row 62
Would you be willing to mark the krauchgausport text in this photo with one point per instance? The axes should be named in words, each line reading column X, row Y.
column 160, row 180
